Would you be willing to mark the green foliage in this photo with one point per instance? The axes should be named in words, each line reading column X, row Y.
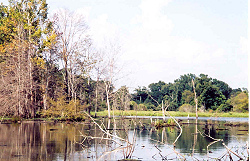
column 201, row 83
column 211, row 97
column 235, row 92
column 140, row 95
column 224, row 108
column 156, row 91
column 159, row 124
column 171, row 122
column 188, row 97
column 103, row 105
column 223, row 88
column 211, row 93
column 150, row 106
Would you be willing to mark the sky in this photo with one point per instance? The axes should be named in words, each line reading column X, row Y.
column 163, row 39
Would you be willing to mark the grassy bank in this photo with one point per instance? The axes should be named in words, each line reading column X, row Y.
column 172, row 113
column 127, row 113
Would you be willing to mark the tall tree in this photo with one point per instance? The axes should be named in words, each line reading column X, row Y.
column 223, row 87
column 156, row 91
column 140, row 95
column 112, row 52
column 212, row 98
column 24, row 23
column 73, row 47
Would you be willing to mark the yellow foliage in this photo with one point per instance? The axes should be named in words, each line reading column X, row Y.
column 187, row 108
column 39, row 62
column 240, row 102
column 63, row 109
column 50, row 40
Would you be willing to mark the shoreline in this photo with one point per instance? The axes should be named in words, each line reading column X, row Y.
column 141, row 114
column 172, row 113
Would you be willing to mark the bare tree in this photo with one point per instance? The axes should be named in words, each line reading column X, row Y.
column 106, row 69
column 73, row 47
column 99, row 71
column 112, row 52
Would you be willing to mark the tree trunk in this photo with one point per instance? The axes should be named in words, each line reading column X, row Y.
column 163, row 111
column 196, row 101
column 96, row 95
column 108, row 104
column 66, row 79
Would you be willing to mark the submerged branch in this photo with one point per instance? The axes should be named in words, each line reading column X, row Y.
column 210, row 136
column 108, row 152
column 177, row 153
column 170, row 117
column 115, row 136
column 102, row 138
column 179, row 127
column 229, row 150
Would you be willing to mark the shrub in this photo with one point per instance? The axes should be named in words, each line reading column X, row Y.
column 202, row 109
column 142, row 107
column 171, row 122
column 133, row 105
column 149, row 106
column 211, row 111
column 187, row 108
column 65, row 110
column 240, row 102
column 159, row 124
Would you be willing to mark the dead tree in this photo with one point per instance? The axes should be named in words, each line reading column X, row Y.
column 73, row 47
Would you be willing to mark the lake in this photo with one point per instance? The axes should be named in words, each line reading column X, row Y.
column 38, row 140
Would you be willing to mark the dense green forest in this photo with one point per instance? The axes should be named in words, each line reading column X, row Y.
column 50, row 68
column 212, row 94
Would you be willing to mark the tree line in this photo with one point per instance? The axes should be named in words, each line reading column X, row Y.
column 50, row 67
column 212, row 94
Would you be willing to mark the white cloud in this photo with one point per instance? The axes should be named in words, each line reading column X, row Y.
column 157, row 55
column 102, row 30
column 147, row 40
column 152, row 25
column 151, row 41
column 152, row 50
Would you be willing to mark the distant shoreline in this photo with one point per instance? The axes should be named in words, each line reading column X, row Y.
column 172, row 113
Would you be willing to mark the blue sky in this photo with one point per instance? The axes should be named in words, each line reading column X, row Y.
column 164, row 39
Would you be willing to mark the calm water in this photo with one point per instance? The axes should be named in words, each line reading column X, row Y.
column 62, row 141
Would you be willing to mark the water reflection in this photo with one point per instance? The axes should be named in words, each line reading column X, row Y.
column 61, row 141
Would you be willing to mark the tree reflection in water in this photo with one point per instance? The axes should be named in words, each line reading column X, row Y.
column 61, row 141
